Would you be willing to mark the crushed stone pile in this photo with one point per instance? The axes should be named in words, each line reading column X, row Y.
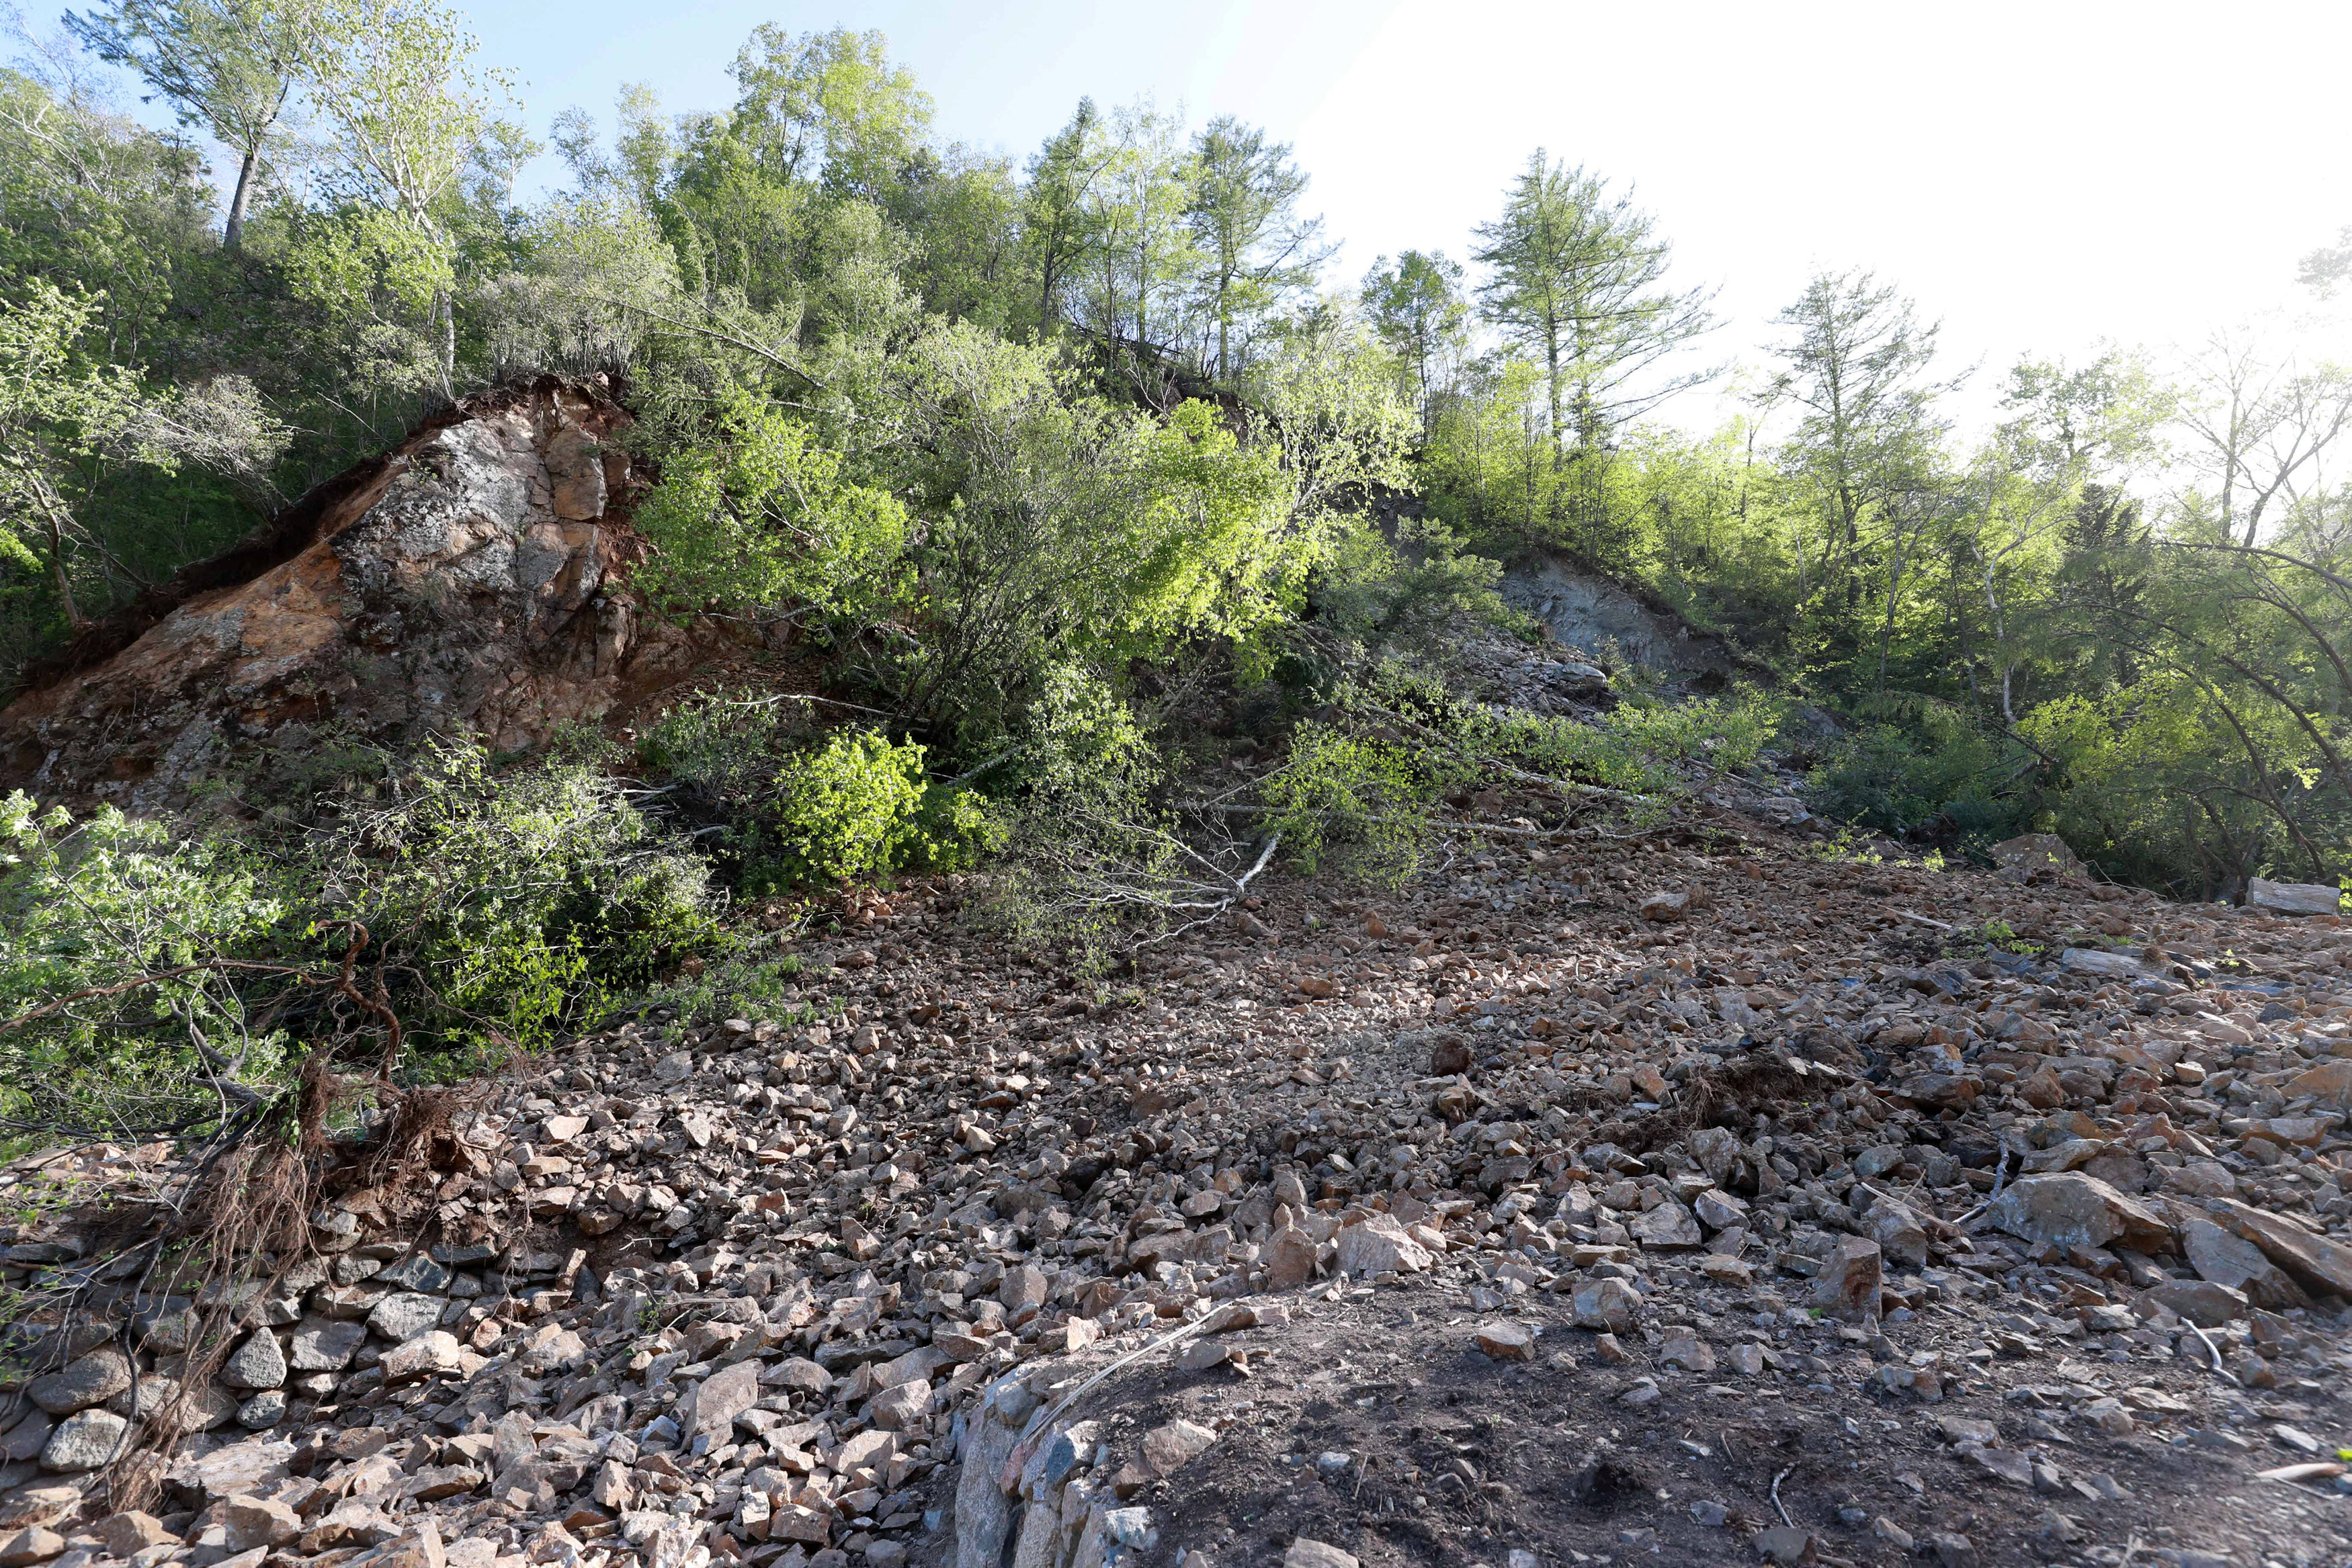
column 1696, row 1197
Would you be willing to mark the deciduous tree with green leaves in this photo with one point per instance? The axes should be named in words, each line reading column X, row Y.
column 231, row 67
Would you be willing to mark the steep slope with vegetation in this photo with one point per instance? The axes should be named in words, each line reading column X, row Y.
column 674, row 847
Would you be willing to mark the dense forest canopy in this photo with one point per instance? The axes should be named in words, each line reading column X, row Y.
column 1052, row 419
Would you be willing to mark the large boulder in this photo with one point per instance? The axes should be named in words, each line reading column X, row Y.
column 2068, row 1208
column 84, row 1441
column 93, row 1380
column 2224, row 1258
column 1379, row 1245
column 2315, row 1262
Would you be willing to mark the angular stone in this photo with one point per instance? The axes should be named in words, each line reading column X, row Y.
column 263, row 1411
column 1200, row 1355
column 2198, row 1178
column 1289, row 1258
column 551, row 1348
column 721, row 1397
column 797, row 1372
column 93, row 1380
column 2330, row 1081
column 429, row 1354
column 866, row 1451
column 2200, row 1301
column 2070, row 1209
column 2292, row 897
column 30, row 1545
column 1718, row 1210
column 1379, row 1245
column 901, row 1406
column 418, row 1547
column 1507, row 1341
column 2224, row 1258
column 1668, row 1224
column 417, row 1272
column 259, row 1363
column 1025, row 1288
column 251, row 1522
column 84, row 1441
column 402, row 1315
column 1605, row 1304
column 1848, row 1285
column 1685, row 1349
column 1168, row 1449
column 984, row 1515
column 133, row 1531
column 1898, row 1233
column 1306, row 1553
column 322, row 1345
column 2316, row 1262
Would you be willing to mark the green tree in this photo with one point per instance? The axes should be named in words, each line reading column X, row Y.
column 1255, row 248
column 1143, row 248
column 409, row 117
column 2261, row 422
column 828, row 106
column 1855, row 369
column 1058, row 207
column 97, row 206
column 229, row 65
column 1577, row 275
column 58, row 411
column 1416, row 306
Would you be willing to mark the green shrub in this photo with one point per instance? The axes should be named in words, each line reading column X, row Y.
column 791, row 810
column 859, row 806
column 1361, row 801
column 1642, row 748
column 97, row 904
column 500, row 907
column 1883, row 778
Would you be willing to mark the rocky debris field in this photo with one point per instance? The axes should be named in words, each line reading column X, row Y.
column 1695, row 1197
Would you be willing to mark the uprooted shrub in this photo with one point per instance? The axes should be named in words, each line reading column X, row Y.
column 1362, row 801
column 155, row 981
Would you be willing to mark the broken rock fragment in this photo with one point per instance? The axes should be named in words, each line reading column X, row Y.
column 1376, row 1244
column 2069, row 1208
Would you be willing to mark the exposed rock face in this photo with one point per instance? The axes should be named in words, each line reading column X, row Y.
column 1583, row 607
column 463, row 584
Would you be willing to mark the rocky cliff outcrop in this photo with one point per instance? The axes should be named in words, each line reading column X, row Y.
column 464, row 584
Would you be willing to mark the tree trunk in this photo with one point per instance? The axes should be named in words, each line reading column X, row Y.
column 233, row 230
column 58, row 573
column 448, row 366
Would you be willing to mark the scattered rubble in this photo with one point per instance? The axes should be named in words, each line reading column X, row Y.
column 1898, row 1221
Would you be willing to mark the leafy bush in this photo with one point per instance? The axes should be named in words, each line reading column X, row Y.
column 514, row 900
column 1410, row 595
column 101, row 903
column 1362, row 801
column 849, row 809
column 1883, row 778
column 487, row 910
column 761, row 514
column 1642, row 748
column 791, row 810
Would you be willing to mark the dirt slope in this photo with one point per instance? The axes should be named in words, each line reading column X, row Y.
column 1592, row 1199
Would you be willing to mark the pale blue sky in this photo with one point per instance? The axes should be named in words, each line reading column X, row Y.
column 2040, row 175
